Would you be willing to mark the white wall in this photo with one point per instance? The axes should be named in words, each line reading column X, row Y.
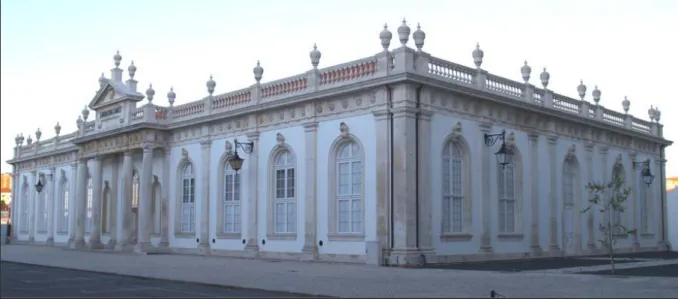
column 672, row 205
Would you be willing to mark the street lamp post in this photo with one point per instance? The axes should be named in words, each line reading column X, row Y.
column 236, row 161
column 503, row 154
column 645, row 171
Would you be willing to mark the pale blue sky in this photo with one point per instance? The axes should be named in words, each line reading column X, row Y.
column 54, row 51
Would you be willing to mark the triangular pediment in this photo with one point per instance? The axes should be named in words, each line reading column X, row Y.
column 111, row 93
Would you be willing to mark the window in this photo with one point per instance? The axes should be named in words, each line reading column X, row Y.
column 644, row 211
column 25, row 201
column 231, row 200
column 507, row 201
column 453, row 189
column 88, row 219
column 349, row 189
column 284, row 204
column 62, row 208
column 187, row 199
column 135, row 190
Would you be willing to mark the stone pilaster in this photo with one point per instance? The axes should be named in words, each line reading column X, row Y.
column 535, row 247
column 635, row 189
column 51, row 203
column 81, row 205
column 425, row 184
column 97, row 193
column 383, row 179
column 663, row 243
column 145, row 201
column 605, row 178
column 554, row 249
column 486, row 216
column 252, row 246
column 204, row 242
column 31, row 206
column 405, row 251
column 16, row 199
column 113, row 197
column 72, row 203
column 125, row 203
column 164, row 204
column 310, row 249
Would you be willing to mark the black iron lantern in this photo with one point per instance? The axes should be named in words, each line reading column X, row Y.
column 236, row 161
column 39, row 185
column 503, row 154
column 645, row 172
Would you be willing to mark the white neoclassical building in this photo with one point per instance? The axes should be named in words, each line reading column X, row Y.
column 381, row 160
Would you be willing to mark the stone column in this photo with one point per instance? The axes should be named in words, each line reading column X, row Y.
column 51, row 203
column 253, row 196
column 405, row 251
column 553, row 195
column 113, row 203
column 635, row 188
column 383, row 179
column 485, row 160
column 204, row 242
column 164, row 201
column 31, row 206
column 125, row 202
column 663, row 243
column 97, row 193
column 72, row 203
column 81, row 205
column 425, row 185
column 145, row 201
column 535, row 247
column 310, row 249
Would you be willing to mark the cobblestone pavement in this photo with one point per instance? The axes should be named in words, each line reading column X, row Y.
column 344, row 280
column 22, row 280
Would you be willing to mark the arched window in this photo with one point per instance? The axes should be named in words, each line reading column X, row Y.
column 187, row 198
column 509, row 190
column 231, row 200
column 62, row 207
column 284, row 203
column 135, row 190
column 88, row 219
column 454, row 191
column 25, row 201
column 349, row 188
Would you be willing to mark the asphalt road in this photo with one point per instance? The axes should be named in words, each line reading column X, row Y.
column 527, row 264
column 655, row 271
column 21, row 280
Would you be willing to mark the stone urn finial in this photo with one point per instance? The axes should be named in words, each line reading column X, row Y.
column 478, row 55
column 102, row 81
column 258, row 72
column 117, row 58
column 171, row 96
column 404, row 33
column 545, row 76
column 581, row 89
column 150, row 92
column 526, row 70
column 385, row 36
column 315, row 56
column 85, row 113
column 132, row 69
column 419, row 36
column 626, row 104
column 57, row 128
column 596, row 94
column 211, row 85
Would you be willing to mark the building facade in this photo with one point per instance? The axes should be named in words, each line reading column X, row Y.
column 381, row 160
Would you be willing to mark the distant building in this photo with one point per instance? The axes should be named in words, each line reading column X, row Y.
column 5, row 195
column 671, row 183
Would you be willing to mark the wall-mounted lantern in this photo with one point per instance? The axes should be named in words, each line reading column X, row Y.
column 236, row 161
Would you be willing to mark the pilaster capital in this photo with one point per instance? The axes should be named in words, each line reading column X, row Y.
column 632, row 155
column 404, row 111
column 552, row 139
column 252, row 136
column 661, row 162
column 588, row 146
column 380, row 114
column 533, row 136
column 129, row 153
column 148, row 147
column 603, row 149
column 311, row 126
column 485, row 127
column 34, row 172
column 425, row 115
column 206, row 143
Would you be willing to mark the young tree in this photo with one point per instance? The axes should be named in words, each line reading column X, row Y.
column 610, row 199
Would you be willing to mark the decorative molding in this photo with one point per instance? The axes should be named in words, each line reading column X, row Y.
column 184, row 153
column 280, row 139
column 228, row 147
column 457, row 132
column 343, row 130
column 571, row 153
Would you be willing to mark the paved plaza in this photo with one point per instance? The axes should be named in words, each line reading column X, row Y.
column 348, row 280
